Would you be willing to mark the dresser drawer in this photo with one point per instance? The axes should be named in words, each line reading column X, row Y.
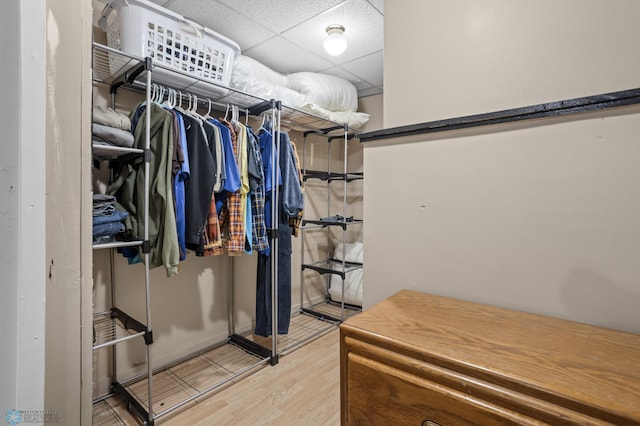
column 381, row 394
column 472, row 364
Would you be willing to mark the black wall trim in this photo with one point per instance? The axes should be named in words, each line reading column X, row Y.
column 551, row 109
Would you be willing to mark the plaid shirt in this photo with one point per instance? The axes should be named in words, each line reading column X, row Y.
column 212, row 234
column 260, row 239
column 234, row 208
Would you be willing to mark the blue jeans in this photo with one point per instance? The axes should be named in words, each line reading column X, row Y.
column 263, row 290
column 108, row 229
column 115, row 216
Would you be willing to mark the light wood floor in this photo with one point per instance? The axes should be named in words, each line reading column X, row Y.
column 302, row 389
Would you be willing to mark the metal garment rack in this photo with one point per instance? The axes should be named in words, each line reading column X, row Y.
column 329, row 265
column 136, row 74
column 138, row 77
column 272, row 354
column 115, row 326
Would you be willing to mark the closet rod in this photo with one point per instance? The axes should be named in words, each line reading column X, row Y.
column 550, row 109
column 202, row 100
column 342, row 137
column 325, row 131
column 130, row 76
column 263, row 106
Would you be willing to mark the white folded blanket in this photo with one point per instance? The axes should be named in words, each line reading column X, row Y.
column 112, row 135
column 111, row 118
column 323, row 95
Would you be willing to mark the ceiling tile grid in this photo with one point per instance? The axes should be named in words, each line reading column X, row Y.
column 287, row 35
column 367, row 67
column 279, row 15
column 361, row 22
column 378, row 4
column 283, row 56
column 224, row 20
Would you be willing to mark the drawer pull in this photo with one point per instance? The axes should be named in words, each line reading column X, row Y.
column 430, row 423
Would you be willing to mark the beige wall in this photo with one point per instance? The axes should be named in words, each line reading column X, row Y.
column 374, row 106
column 452, row 58
column 540, row 216
column 47, row 353
column 68, row 223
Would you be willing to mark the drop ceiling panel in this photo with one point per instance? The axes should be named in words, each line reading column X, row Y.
column 281, row 15
column 363, row 30
column 367, row 67
column 378, row 4
column 224, row 20
column 283, row 56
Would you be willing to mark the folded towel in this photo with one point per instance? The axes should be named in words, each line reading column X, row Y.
column 111, row 118
column 116, row 136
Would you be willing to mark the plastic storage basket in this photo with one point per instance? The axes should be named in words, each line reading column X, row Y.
column 143, row 29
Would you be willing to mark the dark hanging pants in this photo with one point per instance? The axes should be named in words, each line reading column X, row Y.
column 263, row 295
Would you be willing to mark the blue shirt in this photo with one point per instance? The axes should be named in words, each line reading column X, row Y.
column 180, row 181
column 268, row 162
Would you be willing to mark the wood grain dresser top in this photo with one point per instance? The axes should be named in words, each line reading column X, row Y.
column 578, row 364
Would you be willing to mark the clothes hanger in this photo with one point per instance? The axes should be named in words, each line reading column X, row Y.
column 207, row 115
column 226, row 112
column 234, row 114
column 160, row 94
column 266, row 123
column 167, row 102
column 195, row 105
column 180, row 100
column 172, row 98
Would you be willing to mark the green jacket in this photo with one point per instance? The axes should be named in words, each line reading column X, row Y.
column 129, row 186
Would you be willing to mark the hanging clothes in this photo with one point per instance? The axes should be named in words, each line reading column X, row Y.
column 260, row 240
column 181, row 179
column 200, row 186
column 243, row 165
column 292, row 196
column 128, row 187
column 296, row 222
column 264, row 139
column 290, row 201
column 232, row 214
column 212, row 244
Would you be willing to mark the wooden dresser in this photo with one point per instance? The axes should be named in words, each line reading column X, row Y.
column 418, row 359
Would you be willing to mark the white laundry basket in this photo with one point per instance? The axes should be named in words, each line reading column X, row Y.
column 143, row 29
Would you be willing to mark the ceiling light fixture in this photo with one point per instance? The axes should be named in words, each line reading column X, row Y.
column 335, row 43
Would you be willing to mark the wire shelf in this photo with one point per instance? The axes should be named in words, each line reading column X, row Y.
column 133, row 74
column 109, row 330
column 107, row 152
column 333, row 266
